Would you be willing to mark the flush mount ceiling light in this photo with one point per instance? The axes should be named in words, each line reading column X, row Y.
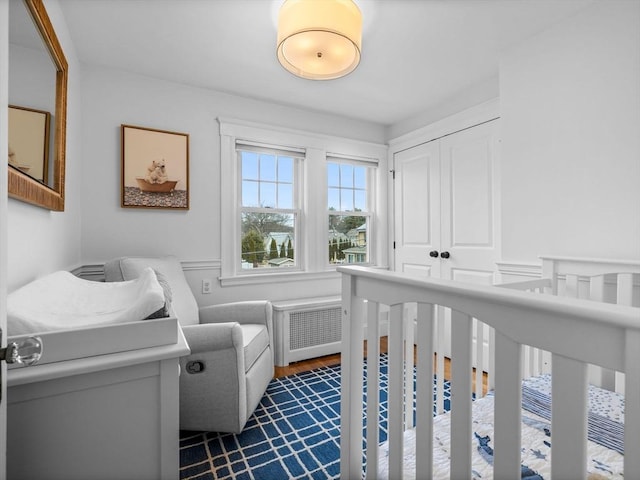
column 319, row 39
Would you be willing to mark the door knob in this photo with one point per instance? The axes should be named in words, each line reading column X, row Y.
column 445, row 255
column 433, row 253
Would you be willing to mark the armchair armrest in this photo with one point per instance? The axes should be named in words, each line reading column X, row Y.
column 211, row 337
column 258, row 311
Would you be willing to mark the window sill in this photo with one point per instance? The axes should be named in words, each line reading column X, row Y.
column 298, row 276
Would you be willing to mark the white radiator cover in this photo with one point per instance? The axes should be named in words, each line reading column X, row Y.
column 306, row 328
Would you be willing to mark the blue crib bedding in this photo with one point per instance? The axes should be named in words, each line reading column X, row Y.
column 605, row 444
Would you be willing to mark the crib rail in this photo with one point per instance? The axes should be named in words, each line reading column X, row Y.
column 583, row 333
column 599, row 280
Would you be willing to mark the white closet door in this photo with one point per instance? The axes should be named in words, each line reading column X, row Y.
column 470, row 215
column 446, row 199
column 470, row 212
column 417, row 209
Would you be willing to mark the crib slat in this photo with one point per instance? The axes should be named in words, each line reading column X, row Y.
column 625, row 289
column 527, row 361
column 408, row 370
column 569, row 404
column 624, row 296
column 492, row 359
column 596, row 288
column 396, row 393
column 373, row 387
column 602, row 377
column 351, row 383
column 632, row 403
column 479, row 356
column 424, row 393
column 461, row 338
column 599, row 376
column 507, row 406
column 440, row 367
column 546, row 361
column 534, row 354
column 571, row 286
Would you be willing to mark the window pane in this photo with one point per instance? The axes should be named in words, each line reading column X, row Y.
column 346, row 200
column 333, row 197
column 360, row 200
column 360, row 177
column 348, row 239
column 268, row 195
column 250, row 194
column 267, row 167
column 268, row 240
column 249, row 165
column 346, row 175
column 333, row 175
column 285, row 169
column 285, row 195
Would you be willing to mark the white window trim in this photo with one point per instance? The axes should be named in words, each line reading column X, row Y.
column 318, row 147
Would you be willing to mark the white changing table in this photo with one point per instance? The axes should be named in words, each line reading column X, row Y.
column 103, row 403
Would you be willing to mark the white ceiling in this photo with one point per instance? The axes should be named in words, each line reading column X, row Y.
column 415, row 53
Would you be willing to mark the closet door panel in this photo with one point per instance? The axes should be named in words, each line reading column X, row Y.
column 417, row 209
column 470, row 195
column 469, row 206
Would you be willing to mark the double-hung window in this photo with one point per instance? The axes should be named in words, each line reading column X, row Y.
column 295, row 204
column 349, row 198
column 269, row 207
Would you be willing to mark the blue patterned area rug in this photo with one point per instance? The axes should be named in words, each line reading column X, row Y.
column 293, row 434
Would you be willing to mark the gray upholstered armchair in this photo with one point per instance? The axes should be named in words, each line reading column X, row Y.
column 231, row 361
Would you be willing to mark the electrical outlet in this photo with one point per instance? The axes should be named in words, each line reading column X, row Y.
column 206, row 285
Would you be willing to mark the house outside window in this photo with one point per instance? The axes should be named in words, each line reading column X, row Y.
column 269, row 212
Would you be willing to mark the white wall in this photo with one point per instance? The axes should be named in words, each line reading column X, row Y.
column 484, row 91
column 40, row 241
column 570, row 106
column 111, row 98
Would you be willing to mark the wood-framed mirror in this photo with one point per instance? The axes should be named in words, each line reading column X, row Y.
column 34, row 94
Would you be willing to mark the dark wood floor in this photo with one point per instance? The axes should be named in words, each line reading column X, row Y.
column 331, row 360
column 326, row 361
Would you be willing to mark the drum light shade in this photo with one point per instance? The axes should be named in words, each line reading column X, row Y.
column 319, row 39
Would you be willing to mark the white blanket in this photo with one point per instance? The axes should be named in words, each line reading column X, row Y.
column 61, row 301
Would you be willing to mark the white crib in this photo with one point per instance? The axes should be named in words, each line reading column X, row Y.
column 526, row 334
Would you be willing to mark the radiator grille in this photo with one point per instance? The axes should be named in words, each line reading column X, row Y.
column 315, row 327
